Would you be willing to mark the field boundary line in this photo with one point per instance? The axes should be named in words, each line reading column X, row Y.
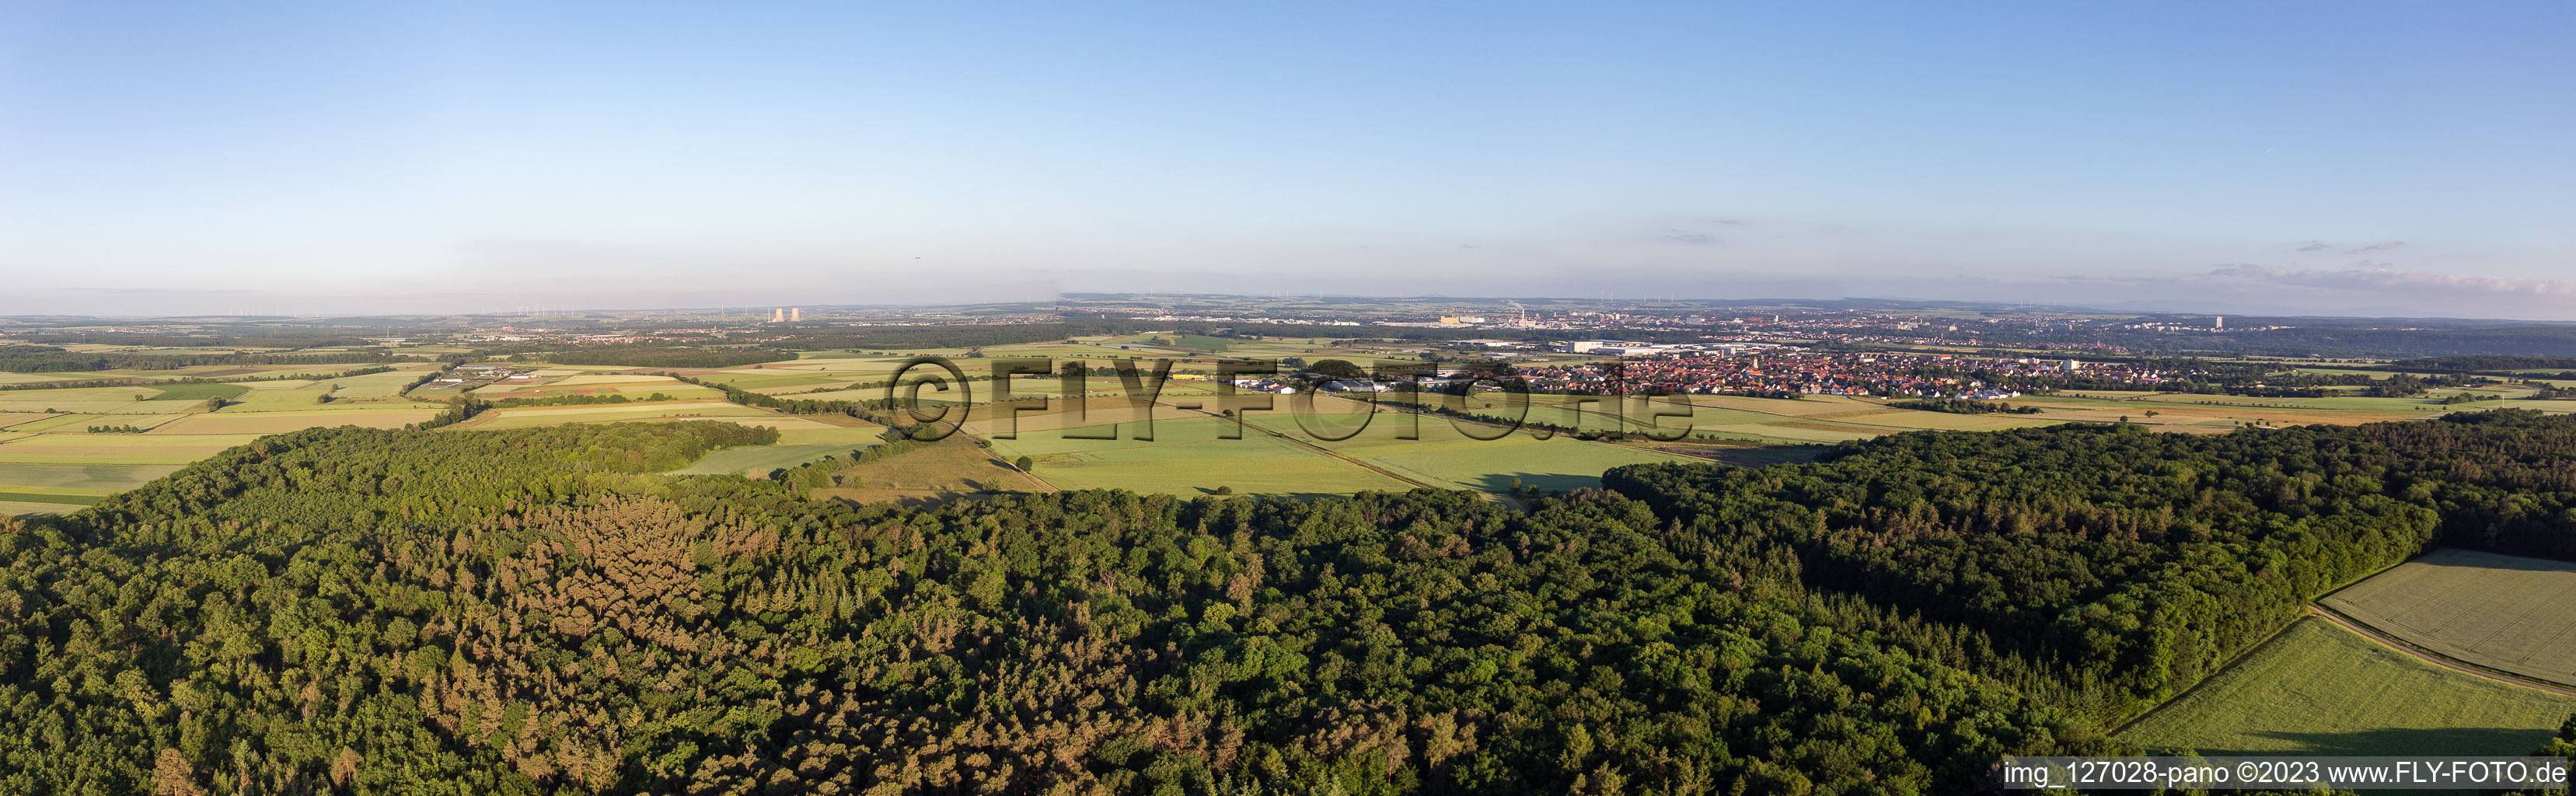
column 2436, row 658
column 2347, row 585
column 1033, row 477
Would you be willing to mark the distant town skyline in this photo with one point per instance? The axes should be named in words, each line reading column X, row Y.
column 2295, row 158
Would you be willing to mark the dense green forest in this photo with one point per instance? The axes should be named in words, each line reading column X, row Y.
column 532, row 611
column 2107, row 568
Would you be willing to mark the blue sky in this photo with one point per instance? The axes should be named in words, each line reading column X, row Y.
column 2379, row 158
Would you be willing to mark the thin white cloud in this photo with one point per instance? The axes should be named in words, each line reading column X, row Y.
column 2381, row 277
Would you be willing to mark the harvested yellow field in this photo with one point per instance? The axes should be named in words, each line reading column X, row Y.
column 58, row 422
column 2172, row 414
column 1796, row 407
column 118, row 394
column 123, row 406
column 30, row 378
column 126, row 443
column 94, row 449
column 146, row 422
column 11, row 508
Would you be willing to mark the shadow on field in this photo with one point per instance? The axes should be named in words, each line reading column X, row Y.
column 2451, row 741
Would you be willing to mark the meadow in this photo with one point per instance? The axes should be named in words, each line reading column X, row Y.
column 1441, row 455
column 1189, row 456
column 2321, row 689
column 2501, row 612
column 955, row 466
column 758, row 460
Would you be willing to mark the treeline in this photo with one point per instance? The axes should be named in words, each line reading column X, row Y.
column 1962, row 406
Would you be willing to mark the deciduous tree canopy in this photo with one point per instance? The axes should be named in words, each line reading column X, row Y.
column 531, row 611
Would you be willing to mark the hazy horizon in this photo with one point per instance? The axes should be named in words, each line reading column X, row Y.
column 2379, row 160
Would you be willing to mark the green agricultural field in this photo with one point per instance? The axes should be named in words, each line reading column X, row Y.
column 2323, row 690
column 758, row 460
column 763, row 379
column 2502, row 612
column 197, row 392
column 1189, row 457
column 282, row 396
column 1200, row 342
column 375, row 385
